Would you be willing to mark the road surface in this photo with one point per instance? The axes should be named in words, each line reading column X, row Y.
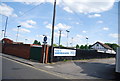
column 15, row 70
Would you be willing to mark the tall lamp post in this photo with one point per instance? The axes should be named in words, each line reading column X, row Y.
column 67, row 36
column 26, row 41
column 87, row 42
column 52, row 38
column 72, row 41
column 5, row 27
column 60, row 37
column 2, row 33
column 17, row 32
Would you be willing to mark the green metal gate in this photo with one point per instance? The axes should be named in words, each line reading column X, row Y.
column 36, row 53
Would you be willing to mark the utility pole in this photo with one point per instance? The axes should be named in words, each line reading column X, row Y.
column 72, row 41
column 53, row 23
column 67, row 36
column 5, row 27
column 17, row 32
column 60, row 37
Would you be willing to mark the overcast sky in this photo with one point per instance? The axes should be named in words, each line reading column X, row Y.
column 95, row 19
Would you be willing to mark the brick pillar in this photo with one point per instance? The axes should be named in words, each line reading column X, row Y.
column 46, row 53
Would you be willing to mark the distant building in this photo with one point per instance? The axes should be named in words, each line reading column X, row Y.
column 17, row 42
column 9, row 41
column 100, row 47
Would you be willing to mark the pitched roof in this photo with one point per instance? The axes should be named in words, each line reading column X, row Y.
column 6, row 40
column 104, row 45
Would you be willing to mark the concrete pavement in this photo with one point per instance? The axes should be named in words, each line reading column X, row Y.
column 82, row 69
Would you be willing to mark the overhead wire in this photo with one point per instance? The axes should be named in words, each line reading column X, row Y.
column 12, row 21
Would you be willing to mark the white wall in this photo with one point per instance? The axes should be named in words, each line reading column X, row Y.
column 99, row 47
column 111, row 51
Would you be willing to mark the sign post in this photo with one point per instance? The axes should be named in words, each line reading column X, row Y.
column 44, row 55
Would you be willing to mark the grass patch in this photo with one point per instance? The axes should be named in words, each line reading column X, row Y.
column 65, row 60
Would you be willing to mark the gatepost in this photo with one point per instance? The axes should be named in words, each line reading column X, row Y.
column 0, row 62
column 0, row 47
column 45, row 50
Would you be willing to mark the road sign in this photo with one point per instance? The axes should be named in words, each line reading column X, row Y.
column 64, row 52
column 45, row 38
column 45, row 42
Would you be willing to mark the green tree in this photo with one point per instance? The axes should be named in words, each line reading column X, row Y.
column 77, row 46
column 39, row 43
column 81, row 47
column 61, row 46
column 113, row 46
column 89, row 47
column 55, row 45
column 85, row 47
column 35, row 42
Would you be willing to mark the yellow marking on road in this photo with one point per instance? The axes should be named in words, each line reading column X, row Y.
column 36, row 68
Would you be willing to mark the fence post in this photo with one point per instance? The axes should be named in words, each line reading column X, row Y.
column 45, row 51
column 0, row 47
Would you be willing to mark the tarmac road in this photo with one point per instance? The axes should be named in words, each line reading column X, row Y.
column 15, row 70
column 81, row 69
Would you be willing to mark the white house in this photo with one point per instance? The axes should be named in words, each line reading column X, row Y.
column 100, row 47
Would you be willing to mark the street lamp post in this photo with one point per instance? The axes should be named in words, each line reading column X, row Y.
column 26, row 40
column 60, row 37
column 87, row 41
column 67, row 36
column 5, row 27
column 72, row 41
column 17, row 32
column 2, row 33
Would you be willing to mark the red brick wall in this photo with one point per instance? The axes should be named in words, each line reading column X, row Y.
column 20, row 50
column 8, row 41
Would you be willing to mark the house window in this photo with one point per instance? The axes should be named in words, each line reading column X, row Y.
column 97, row 44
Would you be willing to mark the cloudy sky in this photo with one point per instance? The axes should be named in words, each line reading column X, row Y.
column 95, row 19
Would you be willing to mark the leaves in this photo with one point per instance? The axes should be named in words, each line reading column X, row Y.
column 36, row 42
column 113, row 46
